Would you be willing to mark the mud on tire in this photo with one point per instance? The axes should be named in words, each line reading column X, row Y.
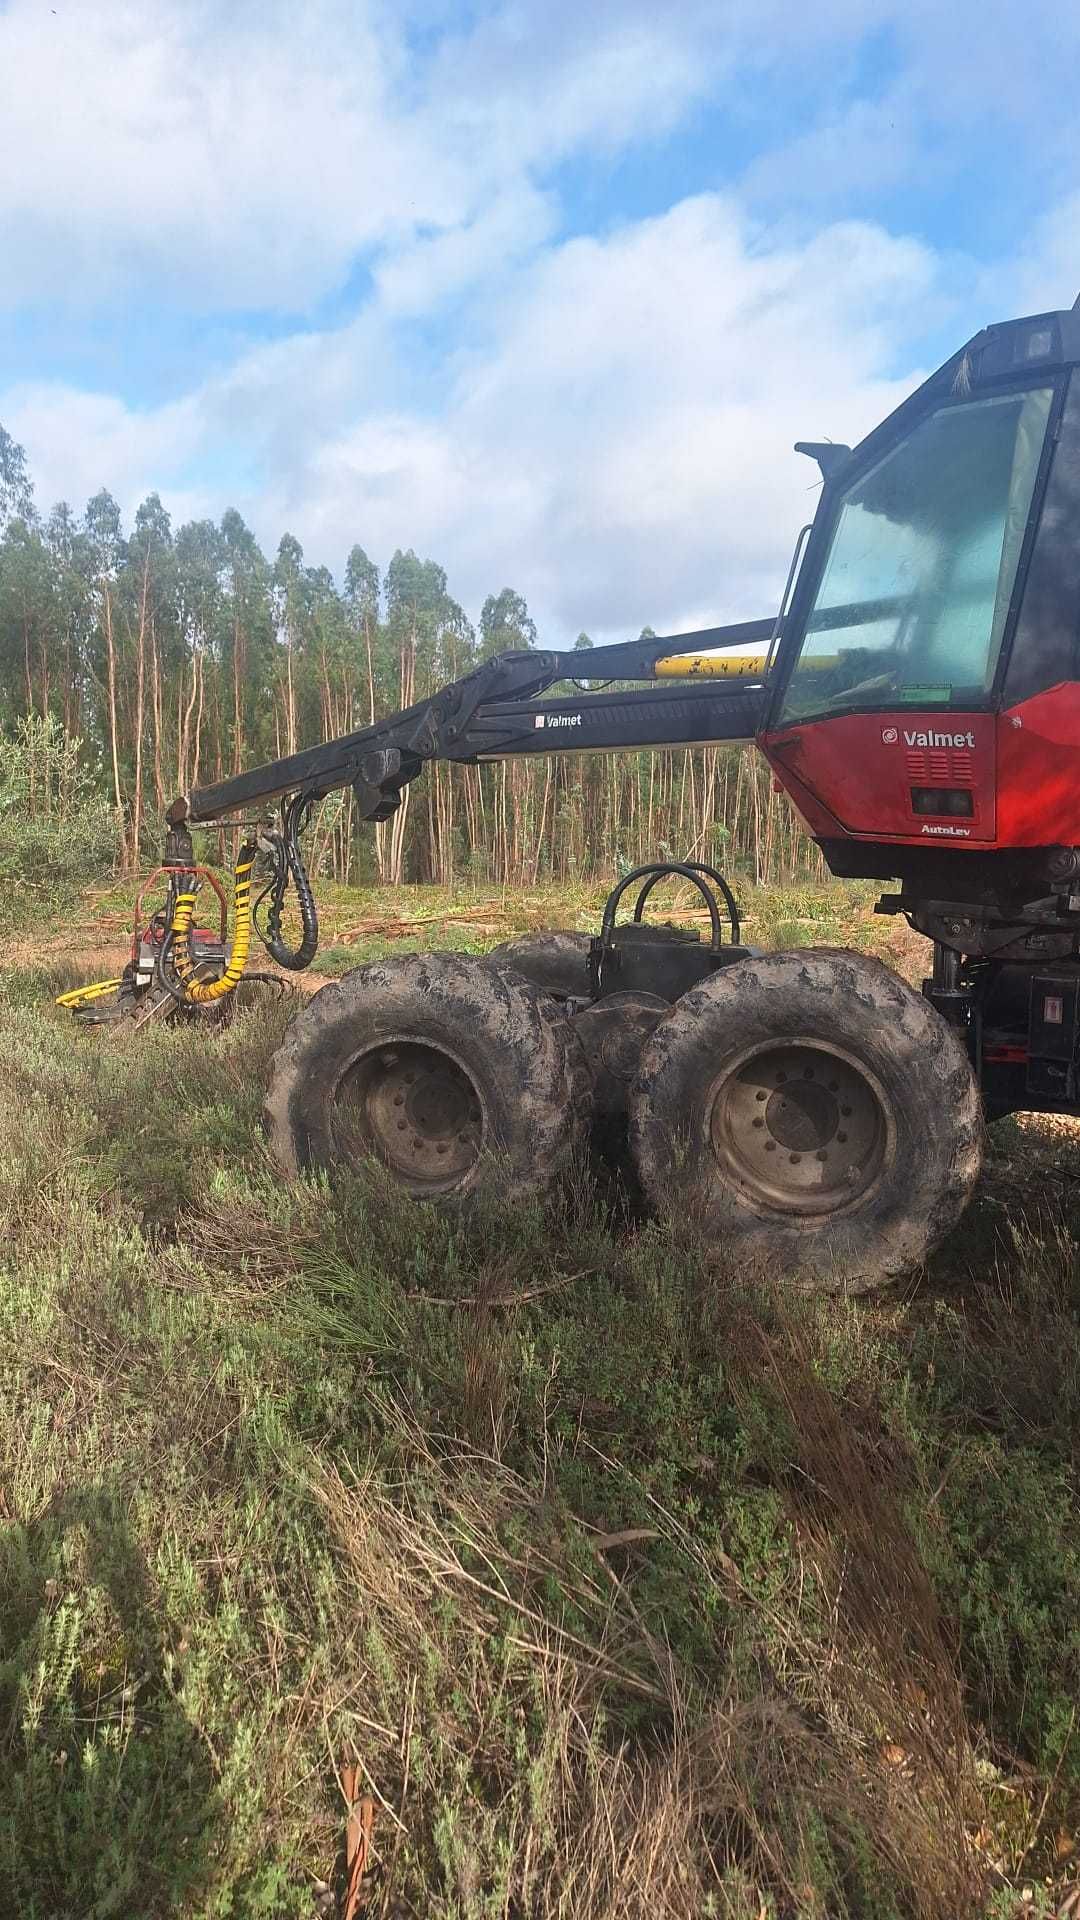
column 556, row 961
column 458, row 1074
column 813, row 1114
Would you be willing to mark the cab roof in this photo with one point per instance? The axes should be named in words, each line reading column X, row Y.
column 1022, row 353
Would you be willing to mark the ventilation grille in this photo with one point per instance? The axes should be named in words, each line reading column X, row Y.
column 940, row 767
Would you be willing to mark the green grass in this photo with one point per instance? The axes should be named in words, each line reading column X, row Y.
column 372, row 922
column 634, row 1590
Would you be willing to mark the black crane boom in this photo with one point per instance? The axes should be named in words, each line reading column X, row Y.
column 496, row 712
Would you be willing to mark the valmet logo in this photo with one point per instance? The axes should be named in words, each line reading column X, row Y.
column 936, row 739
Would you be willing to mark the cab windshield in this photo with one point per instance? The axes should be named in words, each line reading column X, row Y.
column 915, row 593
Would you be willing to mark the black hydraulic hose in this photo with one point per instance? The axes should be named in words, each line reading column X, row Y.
column 659, row 870
column 711, row 873
column 164, row 973
column 288, row 863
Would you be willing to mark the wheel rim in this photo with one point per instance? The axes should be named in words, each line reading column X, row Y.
column 802, row 1126
column 414, row 1105
column 614, row 1030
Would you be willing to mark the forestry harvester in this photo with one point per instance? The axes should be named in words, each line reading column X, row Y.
column 918, row 699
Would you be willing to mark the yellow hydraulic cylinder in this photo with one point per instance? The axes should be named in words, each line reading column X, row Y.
column 732, row 666
column 711, row 666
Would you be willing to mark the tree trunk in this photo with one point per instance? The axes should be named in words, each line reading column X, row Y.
column 398, row 820
column 155, row 707
column 140, row 699
column 110, row 653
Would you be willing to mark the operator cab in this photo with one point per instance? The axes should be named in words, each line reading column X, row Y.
column 926, row 691
column 921, row 565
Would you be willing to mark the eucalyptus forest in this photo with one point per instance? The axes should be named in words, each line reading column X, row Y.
column 174, row 655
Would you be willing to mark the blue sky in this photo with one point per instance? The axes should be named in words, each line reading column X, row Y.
column 545, row 290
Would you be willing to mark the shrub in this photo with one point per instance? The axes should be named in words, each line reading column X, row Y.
column 56, row 829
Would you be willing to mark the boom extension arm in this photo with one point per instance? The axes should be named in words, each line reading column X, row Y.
column 495, row 712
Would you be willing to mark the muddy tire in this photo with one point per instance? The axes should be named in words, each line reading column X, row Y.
column 558, row 962
column 555, row 962
column 612, row 1033
column 813, row 1115
column 459, row 1075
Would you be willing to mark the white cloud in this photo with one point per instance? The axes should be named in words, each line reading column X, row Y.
column 956, row 89
column 419, row 276
column 608, row 423
column 82, row 442
column 531, row 83
column 623, row 450
column 865, row 147
column 245, row 157
column 617, row 445
column 233, row 157
column 1048, row 276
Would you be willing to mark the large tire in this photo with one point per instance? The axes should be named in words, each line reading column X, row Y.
column 457, row 1074
column 556, row 962
column 813, row 1114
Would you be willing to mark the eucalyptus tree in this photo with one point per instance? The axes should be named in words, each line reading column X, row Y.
column 72, row 560
column 288, row 602
column 247, row 637
column 506, row 625
column 362, row 604
column 105, row 542
column 16, row 486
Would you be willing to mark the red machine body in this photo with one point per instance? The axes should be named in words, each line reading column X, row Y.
column 854, row 776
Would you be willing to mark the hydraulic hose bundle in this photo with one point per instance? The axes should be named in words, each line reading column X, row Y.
column 177, row 969
column 170, row 951
column 283, row 850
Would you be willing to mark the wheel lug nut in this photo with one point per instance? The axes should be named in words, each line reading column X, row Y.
column 399, row 1099
column 441, row 1148
column 846, row 1111
column 402, row 1125
column 822, row 1153
column 410, row 1079
column 795, row 1158
column 759, row 1122
column 417, row 1142
column 762, row 1095
column 842, row 1138
column 770, row 1146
